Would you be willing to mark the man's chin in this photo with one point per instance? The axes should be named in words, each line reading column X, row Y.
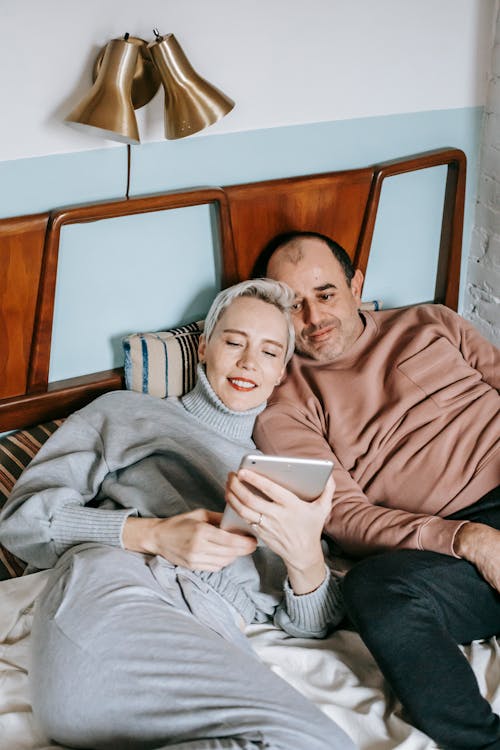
column 321, row 351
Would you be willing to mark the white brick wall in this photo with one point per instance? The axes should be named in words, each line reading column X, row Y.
column 482, row 296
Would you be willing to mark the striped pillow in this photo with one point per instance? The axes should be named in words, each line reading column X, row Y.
column 16, row 451
column 162, row 363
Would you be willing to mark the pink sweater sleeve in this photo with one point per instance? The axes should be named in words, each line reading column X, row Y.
column 478, row 352
column 357, row 525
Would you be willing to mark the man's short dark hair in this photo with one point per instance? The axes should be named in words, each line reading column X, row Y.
column 280, row 240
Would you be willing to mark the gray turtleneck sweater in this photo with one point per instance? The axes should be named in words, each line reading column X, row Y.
column 131, row 454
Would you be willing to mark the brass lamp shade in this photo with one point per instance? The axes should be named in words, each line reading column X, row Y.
column 191, row 103
column 108, row 105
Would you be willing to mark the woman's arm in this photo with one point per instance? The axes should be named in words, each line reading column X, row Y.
column 312, row 615
column 292, row 528
column 46, row 512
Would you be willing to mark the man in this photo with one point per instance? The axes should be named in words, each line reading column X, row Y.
column 406, row 402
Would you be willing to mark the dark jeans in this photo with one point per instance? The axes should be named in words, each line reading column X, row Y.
column 412, row 608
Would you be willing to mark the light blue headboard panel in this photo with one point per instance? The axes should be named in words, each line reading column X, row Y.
column 404, row 254
column 129, row 274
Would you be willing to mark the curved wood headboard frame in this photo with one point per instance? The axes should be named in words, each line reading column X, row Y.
column 340, row 204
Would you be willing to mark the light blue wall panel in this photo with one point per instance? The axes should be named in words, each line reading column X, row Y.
column 300, row 149
column 403, row 259
column 134, row 273
column 29, row 186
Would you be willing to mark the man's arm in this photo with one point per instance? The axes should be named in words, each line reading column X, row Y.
column 477, row 351
column 357, row 525
column 480, row 545
column 363, row 528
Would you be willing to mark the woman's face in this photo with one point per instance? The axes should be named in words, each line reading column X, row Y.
column 245, row 357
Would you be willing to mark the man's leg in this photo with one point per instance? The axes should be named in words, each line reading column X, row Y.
column 412, row 608
column 118, row 666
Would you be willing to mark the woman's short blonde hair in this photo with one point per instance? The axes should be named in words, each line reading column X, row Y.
column 273, row 292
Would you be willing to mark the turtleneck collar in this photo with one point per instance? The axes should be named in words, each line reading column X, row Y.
column 204, row 404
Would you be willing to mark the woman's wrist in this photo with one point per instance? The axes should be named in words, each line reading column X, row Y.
column 139, row 535
column 307, row 580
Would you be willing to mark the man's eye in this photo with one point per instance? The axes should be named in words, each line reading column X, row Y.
column 326, row 296
column 296, row 307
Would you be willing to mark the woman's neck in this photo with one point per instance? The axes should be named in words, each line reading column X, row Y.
column 204, row 404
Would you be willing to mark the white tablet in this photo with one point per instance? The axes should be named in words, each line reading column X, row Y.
column 305, row 477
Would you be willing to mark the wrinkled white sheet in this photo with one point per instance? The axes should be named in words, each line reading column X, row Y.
column 338, row 674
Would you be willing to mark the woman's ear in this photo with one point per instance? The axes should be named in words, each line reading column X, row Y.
column 281, row 376
column 202, row 348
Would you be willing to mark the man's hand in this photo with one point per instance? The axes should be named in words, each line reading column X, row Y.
column 193, row 540
column 480, row 545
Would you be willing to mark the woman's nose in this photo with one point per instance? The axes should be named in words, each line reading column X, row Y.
column 247, row 359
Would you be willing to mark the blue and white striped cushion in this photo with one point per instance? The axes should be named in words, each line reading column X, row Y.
column 162, row 363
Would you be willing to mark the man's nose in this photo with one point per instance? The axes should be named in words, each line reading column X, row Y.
column 312, row 313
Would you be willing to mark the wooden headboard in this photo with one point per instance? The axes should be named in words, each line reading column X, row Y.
column 342, row 205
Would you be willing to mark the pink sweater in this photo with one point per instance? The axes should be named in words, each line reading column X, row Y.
column 411, row 414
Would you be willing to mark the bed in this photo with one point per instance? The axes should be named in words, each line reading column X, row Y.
column 338, row 673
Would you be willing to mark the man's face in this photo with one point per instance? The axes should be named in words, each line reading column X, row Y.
column 325, row 315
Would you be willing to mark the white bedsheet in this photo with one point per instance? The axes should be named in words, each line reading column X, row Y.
column 338, row 674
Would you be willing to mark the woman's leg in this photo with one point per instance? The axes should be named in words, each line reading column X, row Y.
column 118, row 665
column 412, row 608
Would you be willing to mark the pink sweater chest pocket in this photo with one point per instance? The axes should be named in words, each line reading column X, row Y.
column 442, row 373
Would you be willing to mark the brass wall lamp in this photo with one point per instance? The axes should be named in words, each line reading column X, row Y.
column 191, row 102
column 127, row 74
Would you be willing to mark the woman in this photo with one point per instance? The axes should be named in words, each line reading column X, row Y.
column 137, row 638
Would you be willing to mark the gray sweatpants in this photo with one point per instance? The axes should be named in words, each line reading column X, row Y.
column 131, row 652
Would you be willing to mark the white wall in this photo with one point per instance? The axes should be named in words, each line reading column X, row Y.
column 285, row 62
column 482, row 298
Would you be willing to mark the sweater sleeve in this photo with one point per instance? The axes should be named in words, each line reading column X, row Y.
column 47, row 510
column 477, row 351
column 357, row 525
column 311, row 615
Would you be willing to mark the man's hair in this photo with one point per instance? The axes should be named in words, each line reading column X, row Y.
column 273, row 292
column 260, row 266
